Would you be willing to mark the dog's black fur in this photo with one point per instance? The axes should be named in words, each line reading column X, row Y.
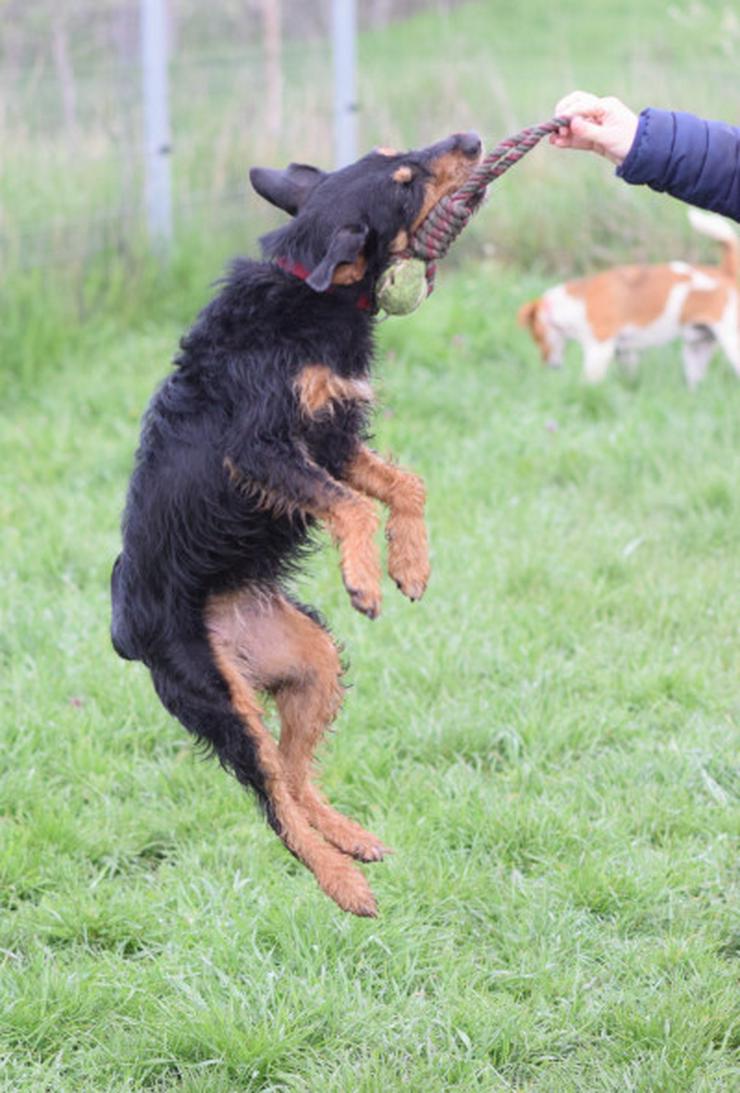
column 228, row 414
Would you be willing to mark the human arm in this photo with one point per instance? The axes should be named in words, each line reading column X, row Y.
column 692, row 159
column 695, row 160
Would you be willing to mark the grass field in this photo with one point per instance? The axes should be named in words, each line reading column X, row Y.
column 549, row 741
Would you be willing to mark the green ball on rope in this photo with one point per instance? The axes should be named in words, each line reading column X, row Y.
column 402, row 287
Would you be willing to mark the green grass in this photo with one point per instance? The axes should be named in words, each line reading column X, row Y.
column 549, row 740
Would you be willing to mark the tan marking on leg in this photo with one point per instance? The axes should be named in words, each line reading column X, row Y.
column 352, row 523
column 351, row 520
column 340, row 880
column 405, row 496
column 308, row 694
column 319, row 388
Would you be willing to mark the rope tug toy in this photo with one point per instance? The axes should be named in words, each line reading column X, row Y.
column 408, row 281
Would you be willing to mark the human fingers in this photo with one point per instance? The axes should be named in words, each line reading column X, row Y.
column 565, row 138
column 584, row 130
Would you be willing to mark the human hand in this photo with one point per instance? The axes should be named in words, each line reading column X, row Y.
column 605, row 126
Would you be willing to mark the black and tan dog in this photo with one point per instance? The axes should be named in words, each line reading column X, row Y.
column 256, row 436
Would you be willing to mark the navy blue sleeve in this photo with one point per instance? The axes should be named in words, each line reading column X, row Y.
column 694, row 160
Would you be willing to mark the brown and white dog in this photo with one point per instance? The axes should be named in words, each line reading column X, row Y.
column 622, row 311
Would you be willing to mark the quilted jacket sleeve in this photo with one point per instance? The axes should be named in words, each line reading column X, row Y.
column 694, row 160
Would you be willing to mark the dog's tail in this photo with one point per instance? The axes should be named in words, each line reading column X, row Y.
column 718, row 229
column 192, row 689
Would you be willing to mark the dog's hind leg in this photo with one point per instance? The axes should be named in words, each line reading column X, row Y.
column 206, row 687
column 284, row 651
column 698, row 349
column 308, row 700
column 728, row 335
column 629, row 359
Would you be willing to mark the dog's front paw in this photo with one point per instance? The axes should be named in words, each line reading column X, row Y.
column 361, row 575
column 365, row 600
column 353, row 525
column 408, row 555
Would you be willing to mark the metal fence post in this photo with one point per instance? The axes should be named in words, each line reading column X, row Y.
column 156, row 123
column 344, row 48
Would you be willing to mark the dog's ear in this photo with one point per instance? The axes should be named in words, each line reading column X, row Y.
column 287, row 189
column 526, row 313
column 345, row 246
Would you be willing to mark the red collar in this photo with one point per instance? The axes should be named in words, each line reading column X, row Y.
column 363, row 302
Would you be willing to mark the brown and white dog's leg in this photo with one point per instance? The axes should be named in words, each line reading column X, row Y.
column 597, row 356
column 697, row 351
column 629, row 360
column 405, row 495
column 247, row 635
column 728, row 335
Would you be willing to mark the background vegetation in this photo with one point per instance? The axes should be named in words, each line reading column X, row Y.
column 71, row 233
column 549, row 740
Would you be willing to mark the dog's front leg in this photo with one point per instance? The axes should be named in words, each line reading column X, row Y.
column 404, row 494
column 352, row 522
column 283, row 478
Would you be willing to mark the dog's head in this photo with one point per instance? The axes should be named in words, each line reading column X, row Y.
column 534, row 317
column 348, row 224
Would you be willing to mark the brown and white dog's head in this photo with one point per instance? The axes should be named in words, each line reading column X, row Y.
column 534, row 316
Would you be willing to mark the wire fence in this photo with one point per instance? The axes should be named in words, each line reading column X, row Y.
column 246, row 79
column 250, row 82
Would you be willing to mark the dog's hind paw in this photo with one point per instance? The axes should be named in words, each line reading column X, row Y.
column 350, row 890
column 339, row 830
column 352, row 839
column 368, row 852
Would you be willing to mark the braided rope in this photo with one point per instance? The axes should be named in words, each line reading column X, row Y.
column 447, row 219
